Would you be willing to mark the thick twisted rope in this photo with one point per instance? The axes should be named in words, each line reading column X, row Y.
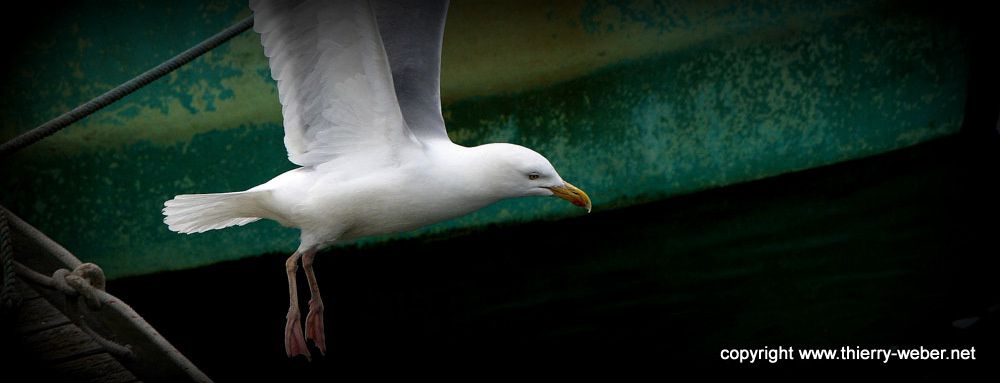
column 88, row 108
column 87, row 280
column 8, row 296
column 151, row 349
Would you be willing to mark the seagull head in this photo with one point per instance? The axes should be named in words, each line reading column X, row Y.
column 516, row 171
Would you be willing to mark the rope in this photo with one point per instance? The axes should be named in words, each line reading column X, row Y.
column 150, row 348
column 8, row 296
column 86, row 280
column 88, row 108
column 122, row 352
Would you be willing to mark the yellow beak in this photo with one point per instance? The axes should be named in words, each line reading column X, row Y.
column 572, row 194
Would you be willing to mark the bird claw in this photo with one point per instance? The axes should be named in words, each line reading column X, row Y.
column 314, row 325
column 295, row 344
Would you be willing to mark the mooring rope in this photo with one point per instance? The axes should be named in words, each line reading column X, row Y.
column 88, row 108
column 8, row 297
column 86, row 280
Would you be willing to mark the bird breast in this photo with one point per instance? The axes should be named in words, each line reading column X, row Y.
column 387, row 201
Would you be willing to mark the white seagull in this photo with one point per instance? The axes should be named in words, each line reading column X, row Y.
column 359, row 88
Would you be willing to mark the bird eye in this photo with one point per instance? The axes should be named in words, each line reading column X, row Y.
column 533, row 176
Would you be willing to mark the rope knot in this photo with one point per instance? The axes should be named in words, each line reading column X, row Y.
column 83, row 280
column 92, row 273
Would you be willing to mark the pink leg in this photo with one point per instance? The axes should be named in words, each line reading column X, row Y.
column 314, row 320
column 295, row 344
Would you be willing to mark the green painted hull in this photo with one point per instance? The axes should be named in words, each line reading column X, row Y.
column 631, row 103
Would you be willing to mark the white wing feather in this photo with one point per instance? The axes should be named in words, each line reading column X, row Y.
column 334, row 82
column 412, row 32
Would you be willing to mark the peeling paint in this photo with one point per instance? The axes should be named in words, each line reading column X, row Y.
column 631, row 101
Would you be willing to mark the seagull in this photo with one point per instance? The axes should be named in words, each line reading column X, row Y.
column 359, row 86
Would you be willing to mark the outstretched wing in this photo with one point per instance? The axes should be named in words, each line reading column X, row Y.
column 412, row 31
column 334, row 81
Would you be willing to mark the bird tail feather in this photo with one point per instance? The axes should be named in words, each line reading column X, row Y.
column 198, row 213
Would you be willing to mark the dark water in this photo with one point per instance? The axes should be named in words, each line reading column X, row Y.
column 884, row 252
